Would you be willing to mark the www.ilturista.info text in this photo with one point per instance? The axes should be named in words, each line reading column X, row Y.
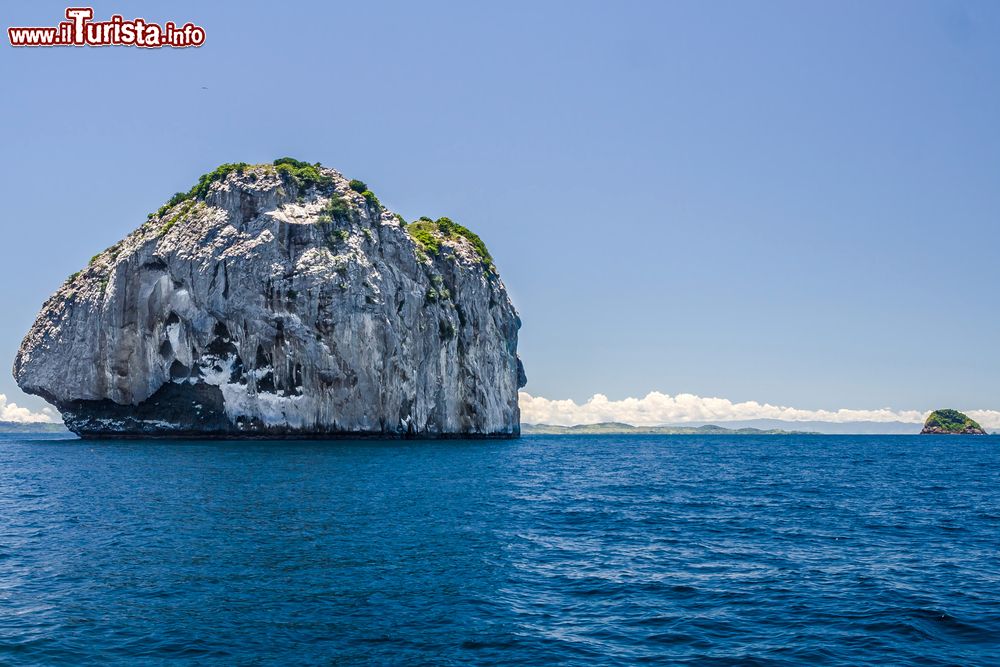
column 80, row 30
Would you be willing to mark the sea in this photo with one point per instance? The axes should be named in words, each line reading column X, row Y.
column 548, row 550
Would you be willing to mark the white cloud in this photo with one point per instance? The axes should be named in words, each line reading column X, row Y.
column 656, row 408
column 988, row 419
column 12, row 412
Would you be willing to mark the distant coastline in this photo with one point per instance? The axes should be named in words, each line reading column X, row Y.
column 616, row 428
column 32, row 427
column 760, row 427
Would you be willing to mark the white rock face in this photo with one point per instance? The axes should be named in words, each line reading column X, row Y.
column 253, row 314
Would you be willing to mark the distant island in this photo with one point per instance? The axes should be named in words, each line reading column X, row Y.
column 951, row 422
column 615, row 428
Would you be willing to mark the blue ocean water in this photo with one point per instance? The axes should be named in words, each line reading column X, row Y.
column 706, row 550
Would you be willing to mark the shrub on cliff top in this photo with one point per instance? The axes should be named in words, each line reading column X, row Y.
column 297, row 164
column 173, row 201
column 428, row 235
column 446, row 226
column 423, row 234
column 218, row 174
column 302, row 174
column 450, row 228
column 477, row 244
column 357, row 186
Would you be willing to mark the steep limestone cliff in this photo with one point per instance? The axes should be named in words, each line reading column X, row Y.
column 281, row 300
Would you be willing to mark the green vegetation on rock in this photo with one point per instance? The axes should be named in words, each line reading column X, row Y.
column 428, row 234
column 111, row 252
column 426, row 240
column 177, row 217
column 950, row 421
column 337, row 209
column 302, row 174
column 362, row 189
column 201, row 188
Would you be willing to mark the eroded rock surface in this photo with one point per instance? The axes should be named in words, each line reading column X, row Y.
column 265, row 306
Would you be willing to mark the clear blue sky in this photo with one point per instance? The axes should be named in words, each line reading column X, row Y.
column 794, row 202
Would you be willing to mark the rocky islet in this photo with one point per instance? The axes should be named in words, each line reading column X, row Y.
column 281, row 300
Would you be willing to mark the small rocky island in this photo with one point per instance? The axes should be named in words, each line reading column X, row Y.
column 951, row 422
column 281, row 300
